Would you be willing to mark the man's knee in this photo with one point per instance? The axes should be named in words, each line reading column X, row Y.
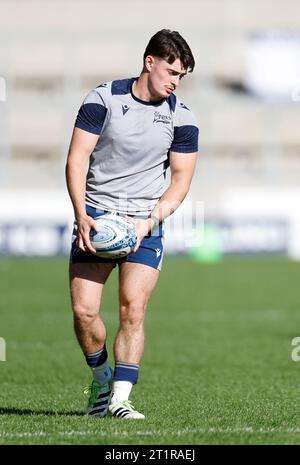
column 84, row 313
column 132, row 314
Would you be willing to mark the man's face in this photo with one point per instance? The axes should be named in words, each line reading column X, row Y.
column 163, row 76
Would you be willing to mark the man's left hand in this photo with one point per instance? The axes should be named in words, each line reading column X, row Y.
column 143, row 227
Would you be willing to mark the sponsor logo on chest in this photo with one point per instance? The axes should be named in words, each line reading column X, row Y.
column 159, row 118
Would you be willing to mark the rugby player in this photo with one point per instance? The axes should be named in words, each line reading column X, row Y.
column 127, row 133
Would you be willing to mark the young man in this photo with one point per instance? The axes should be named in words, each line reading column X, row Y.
column 128, row 131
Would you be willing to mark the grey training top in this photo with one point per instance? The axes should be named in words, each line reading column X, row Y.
column 128, row 164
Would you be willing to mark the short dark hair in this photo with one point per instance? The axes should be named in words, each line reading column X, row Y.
column 169, row 45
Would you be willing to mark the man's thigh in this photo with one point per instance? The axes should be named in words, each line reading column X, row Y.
column 136, row 282
column 86, row 283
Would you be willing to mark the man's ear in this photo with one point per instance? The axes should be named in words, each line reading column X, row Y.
column 149, row 62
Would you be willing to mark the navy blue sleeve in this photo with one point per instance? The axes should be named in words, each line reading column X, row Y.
column 185, row 139
column 91, row 117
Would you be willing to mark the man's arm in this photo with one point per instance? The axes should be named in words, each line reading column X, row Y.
column 81, row 146
column 182, row 166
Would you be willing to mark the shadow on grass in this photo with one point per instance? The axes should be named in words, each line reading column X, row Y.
column 17, row 411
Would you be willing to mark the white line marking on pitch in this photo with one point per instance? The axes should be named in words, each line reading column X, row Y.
column 241, row 315
column 250, row 315
column 246, row 429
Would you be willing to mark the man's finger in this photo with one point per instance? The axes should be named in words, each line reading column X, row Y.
column 136, row 247
column 131, row 220
column 80, row 243
column 95, row 225
column 88, row 244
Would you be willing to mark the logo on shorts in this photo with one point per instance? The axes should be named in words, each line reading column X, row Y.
column 125, row 108
column 159, row 118
column 158, row 252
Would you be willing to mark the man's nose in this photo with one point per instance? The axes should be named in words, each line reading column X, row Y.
column 175, row 81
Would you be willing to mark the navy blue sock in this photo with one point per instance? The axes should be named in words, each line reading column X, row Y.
column 97, row 358
column 126, row 372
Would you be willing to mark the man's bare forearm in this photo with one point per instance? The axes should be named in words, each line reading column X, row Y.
column 169, row 202
column 76, row 183
column 81, row 146
column 182, row 169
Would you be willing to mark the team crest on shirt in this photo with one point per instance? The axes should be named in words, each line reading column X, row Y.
column 159, row 118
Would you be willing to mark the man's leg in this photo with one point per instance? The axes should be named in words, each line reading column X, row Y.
column 136, row 283
column 86, row 284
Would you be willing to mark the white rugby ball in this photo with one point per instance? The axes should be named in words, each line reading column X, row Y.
column 115, row 236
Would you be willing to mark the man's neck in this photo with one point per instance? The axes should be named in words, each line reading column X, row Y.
column 140, row 89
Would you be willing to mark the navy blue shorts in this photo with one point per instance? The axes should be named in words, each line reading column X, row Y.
column 149, row 253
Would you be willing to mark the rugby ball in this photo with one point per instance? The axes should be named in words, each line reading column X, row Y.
column 115, row 236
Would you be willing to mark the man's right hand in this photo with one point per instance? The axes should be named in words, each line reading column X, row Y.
column 85, row 224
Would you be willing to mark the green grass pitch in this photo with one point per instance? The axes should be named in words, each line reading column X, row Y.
column 217, row 368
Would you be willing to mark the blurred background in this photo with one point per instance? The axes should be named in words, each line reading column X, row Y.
column 245, row 92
